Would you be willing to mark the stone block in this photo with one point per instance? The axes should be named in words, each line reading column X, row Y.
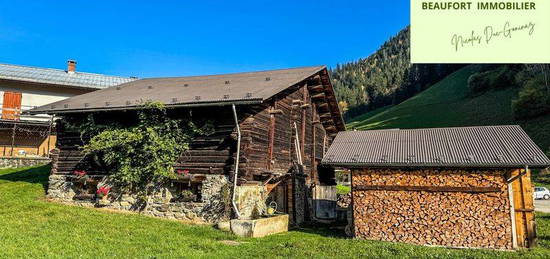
column 260, row 227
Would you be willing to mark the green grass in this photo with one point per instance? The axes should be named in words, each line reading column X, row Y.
column 33, row 227
column 342, row 189
column 446, row 104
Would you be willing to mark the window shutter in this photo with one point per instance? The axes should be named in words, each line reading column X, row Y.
column 11, row 108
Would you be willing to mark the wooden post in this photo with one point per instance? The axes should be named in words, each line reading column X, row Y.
column 49, row 136
column 512, row 214
column 524, row 209
column 314, row 177
column 271, row 137
column 303, row 126
column 13, row 138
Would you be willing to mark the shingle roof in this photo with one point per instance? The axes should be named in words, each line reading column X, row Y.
column 59, row 77
column 485, row 146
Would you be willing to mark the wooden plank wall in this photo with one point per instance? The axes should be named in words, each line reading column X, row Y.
column 276, row 119
column 524, row 208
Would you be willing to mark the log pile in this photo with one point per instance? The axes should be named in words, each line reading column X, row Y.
column 447, row 216
column 344, row 200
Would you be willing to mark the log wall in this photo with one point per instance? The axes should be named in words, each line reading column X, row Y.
column 454, row 208
column 268, row 143
column 268, row 135
column 213, row 154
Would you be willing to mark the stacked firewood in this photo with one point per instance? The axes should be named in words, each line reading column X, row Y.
column 444, row 217
column 343, row 200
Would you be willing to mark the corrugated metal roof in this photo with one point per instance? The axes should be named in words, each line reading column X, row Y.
column 59, row 77
column 247, row 87
column 484, row 146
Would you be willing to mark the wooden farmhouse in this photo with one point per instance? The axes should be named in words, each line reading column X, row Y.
column 274, row 126
column 453, row 187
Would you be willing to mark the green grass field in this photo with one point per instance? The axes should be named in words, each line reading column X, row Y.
column 33, row 227
column 446, row 104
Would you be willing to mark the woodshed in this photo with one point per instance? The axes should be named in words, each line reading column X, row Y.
column 454, row 187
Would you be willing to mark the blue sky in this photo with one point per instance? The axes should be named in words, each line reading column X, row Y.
column 180, row 38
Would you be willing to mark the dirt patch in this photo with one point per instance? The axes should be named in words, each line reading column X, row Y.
column 230, row 242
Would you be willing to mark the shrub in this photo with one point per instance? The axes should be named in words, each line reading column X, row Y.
column 500, row 77
column 140, row 152
column 478, row 82
column 533, row 100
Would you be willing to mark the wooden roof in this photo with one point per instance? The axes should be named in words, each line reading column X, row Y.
column 238, row 88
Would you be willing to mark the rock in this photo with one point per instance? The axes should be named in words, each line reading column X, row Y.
column 224, row 226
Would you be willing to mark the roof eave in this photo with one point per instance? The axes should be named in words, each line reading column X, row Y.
column 135, row 107
column 61, row 85
column 425, row 165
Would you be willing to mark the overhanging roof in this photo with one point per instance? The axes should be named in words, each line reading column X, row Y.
column 59, row 77
column 474, row 147
column 238, row 88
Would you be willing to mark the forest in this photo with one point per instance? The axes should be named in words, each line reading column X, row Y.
column 384, row 78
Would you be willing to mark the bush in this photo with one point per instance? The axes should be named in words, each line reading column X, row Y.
column 479, row 82
column 500, row 77
column 142, row 151
column 533, row 100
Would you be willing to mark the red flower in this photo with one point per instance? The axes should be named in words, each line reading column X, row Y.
column 79, row 173
column 182, row 172
column 103, row 190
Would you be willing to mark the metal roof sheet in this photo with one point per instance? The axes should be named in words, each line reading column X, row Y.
column 483, row 146
column 60, row 77
column 250, row 87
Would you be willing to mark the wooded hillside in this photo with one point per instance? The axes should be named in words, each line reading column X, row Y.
column 384, row 78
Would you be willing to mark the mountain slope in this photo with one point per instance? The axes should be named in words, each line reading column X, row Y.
column 446, row 104
column 384, row 78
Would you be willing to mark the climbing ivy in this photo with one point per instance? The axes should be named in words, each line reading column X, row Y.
column 141, row 152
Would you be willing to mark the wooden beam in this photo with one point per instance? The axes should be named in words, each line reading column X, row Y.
column 318, row 96
column 323, row 105
column 325, row 115
column 467, row 189
column 317, row 88
column 303, row 122
column 332, row 129
column 271, row 137
column 327, row 122
column 275, row 111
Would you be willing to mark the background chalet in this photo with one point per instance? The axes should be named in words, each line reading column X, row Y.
column 23, row 88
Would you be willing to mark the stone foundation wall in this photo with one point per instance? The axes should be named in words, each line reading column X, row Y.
column 445, row 218
column 212, row 208
column 15, row 162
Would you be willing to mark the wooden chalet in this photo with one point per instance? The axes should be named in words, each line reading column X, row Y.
column 286, row 120
column 453, row 187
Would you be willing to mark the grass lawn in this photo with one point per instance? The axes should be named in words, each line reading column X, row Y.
column 33, row 227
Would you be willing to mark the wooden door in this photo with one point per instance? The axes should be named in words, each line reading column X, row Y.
column 524, row 209
column 278, row 195
column 11, row 107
